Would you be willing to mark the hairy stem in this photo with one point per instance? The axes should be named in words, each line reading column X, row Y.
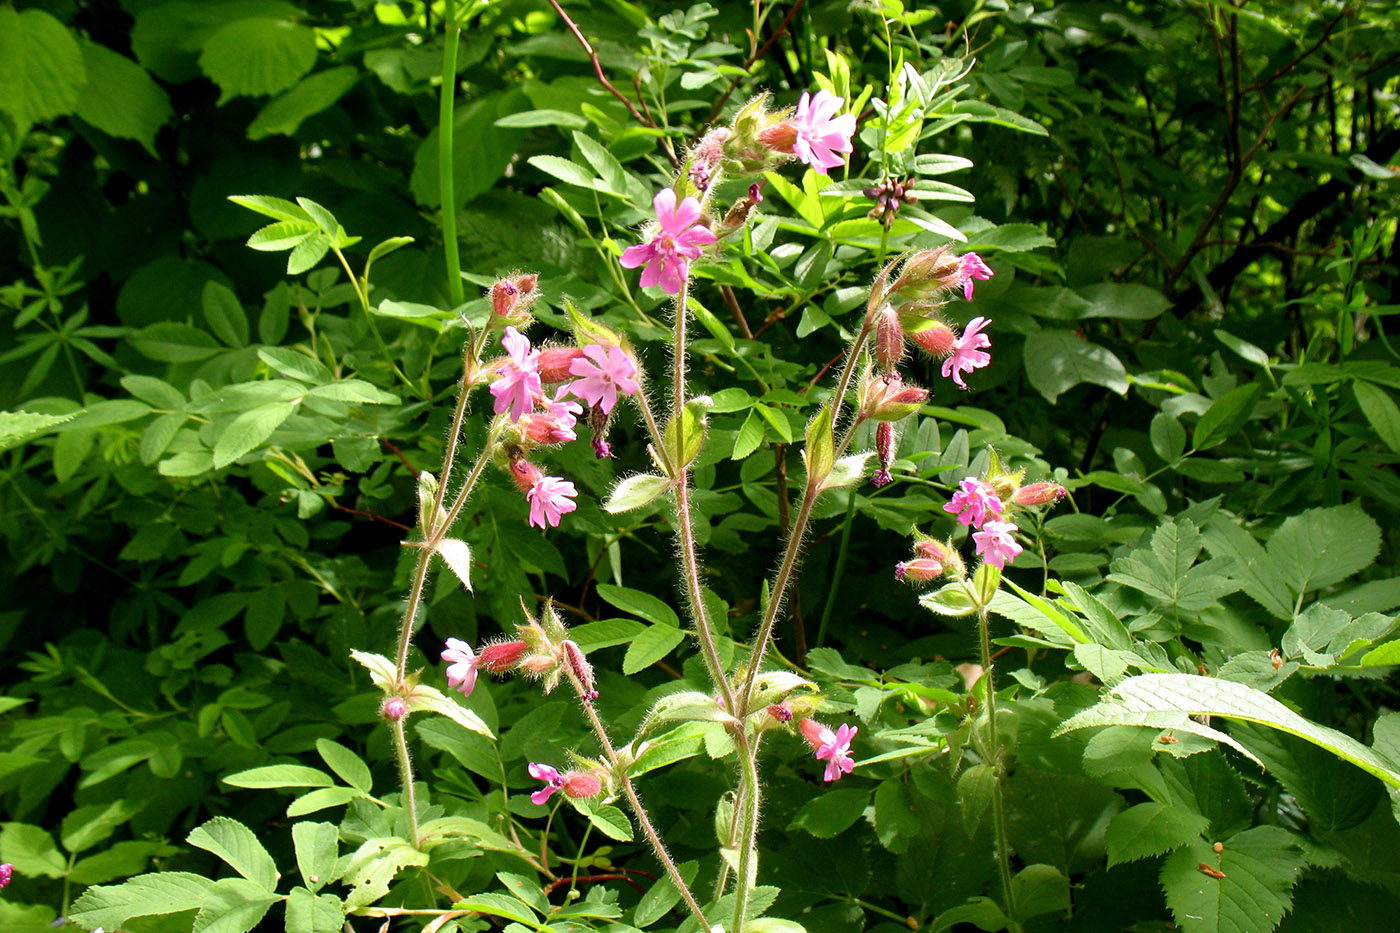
column 410, row 795
column 998, row 808
column 748, row 827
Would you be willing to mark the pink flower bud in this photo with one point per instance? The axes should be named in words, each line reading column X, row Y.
column 526, row 475
column 393, row 708
column 6, row 872
column 936, row 337
column 889, row 340
column 548, row 429
column 1038, row 494
column 510, row 297
column 554, row 363
column 812, row 732
column 887, row 398
column 886, row 441
column 918, row 570
column 581, row 668
column 780, row 712
column 930, row 549
column 501, row 657
column 582, row 785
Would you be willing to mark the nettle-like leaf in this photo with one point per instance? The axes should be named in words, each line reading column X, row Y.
column 1168, row 573
column 1244, row 888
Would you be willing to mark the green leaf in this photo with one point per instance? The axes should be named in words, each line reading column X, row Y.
column 458, row 557
column 1226, row 416
column 820, row 447
column 481, row 151
column 499, row 905
column 1150, row 829
column 567, row 171
column 1057, row 360
column 120, row 861
column 1243, row 347
column 435, row 701
column 531, row 118
column 120, row 98
column 314, row 94
column 167, row 892
column 322, row 799
column 612, row 822
column 308, row 253
column 345, row 763
column 1168, row 437
column 355, row 391
column 662, row 896
column 280, row 776
column 235, row 843
column 1380, row 409
column 1165, row 701
column 1324, row 546
column 224, row 314
column 640, row 604
column 232, row 905
column 831, row 812
column 41, row 67
column 19, row 426
column 86, row 826
column 172, row 342
column 750, row 436
column 317, row 848
column 285, row 234
column 295, row 364
column 1038, row 890
column 605, row 633
column 308, row 913
column 258, row 56
column 977, row 786
column 1259, row 868
column 651, row 646
column 1253, row 567
column 31, row 850
column 951, row 599
column 1132, row 302
column 276, row 208
column 249, row 430
column 635, row 491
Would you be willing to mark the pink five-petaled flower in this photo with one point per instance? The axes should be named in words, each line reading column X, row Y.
column 967, row 352
column 606, row 372
column 970, row 267
column 462, row 661
column 518, row 381
column 550, row 499
column 995, row 544
column 834, row 749
column 677, row 241
column 553, row 781
column 820, row 133
column 974, row 501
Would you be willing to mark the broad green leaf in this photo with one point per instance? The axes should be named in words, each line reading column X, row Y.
column 120, row 861
column 345, row 763
column 1321, row 547
column 1169, row 700
column 951, row 599
column 1253, row 567
column 317, row 848
column 232, row 905
column 605, row 633
column 567, row 171
column 1038, row 890
column 640, row 604
column 1057, row 361
column 1168, row 437
column 830, row 812
column 651, row 646
column 481, row 151
column 1243, row 347
column 688, row 706
column 612, row 822
column 1335, row 795
column 662, row 896
column 285, row 234
column 309, row 913
column 249, row 430
column 354, row 391
column 258, row 56
column 18, row 426
column 1380, row 409
column 1150, row 829
column 280, row 776
column 295, row 364
column 31, row 850
column 1257, row 870
column 1133, row 302
column 499, row 905
column 235, row 843
column 276, row 208
column 635, row 491
column 314, row 94
column 86, row 826
column 435, row 701
column 532, row 118
column 41, row 67
column 308, row 253
column 1226, row 416
column 172, row 342
column 224, row 314
column 977, row 785
column 167, row 892
column 322, row 799
column 120, row 98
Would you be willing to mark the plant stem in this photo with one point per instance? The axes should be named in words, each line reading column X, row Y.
column 446, row 182
column 633, row 801
column 410, row 795
column 998, row 810
column 362, row 293
column 841, row 552
column 748, row 828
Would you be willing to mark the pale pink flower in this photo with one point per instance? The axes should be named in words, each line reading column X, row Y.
column 606, row 372
column 996, row 544
column 393, row 709
column 974, row 501
column 677, row 241
column 971, row 266
column 550, row 499
column 967, row 352
column 553, row 782
column 462, row 661
column 834, row 750
column 518, row 380
column 820, row 133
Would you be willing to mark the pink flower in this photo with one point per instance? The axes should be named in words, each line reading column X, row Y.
column 462, row 661
column 553, row 781
column 668, row 253
column 971, row 266
column 518, row 381
column 820, row 133
column 550, row 499
column 996, row 544
column 967, row 354
column 393, row 708
column 834, row 750
column 606, row 372
column 973, row 502
column 6, row 871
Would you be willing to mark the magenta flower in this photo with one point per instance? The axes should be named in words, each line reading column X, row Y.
column 553, row 781
column 973, row 502
column 6, row 871
column 820, row 133
column 518, row 380
column 606, row 372
column 971, row 266
column 967, row 352
column 461, row 671
column 550, row 499
column 996, row 544
column 834, row 749
column 677, row 241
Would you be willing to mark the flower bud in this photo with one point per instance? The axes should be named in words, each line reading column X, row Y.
column 501, row 657
column 511, row 297
column 554, row 363
column 6, row 872
column 888, row 398
column 932, row 549
column 936, row 337
column 738, row 215
column 918, row 570
column 525, row 474
column 581, row 668
column 1038, row 494
column 886, row 442
column 547, row 429
column 781, row 712
column 581, row 785
column 889, row 340
column 393, row 708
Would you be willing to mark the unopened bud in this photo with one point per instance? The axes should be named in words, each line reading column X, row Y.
column 525, row 474
column 547, row 428
column 554, row 363
column 918, row 570
column 501, row 657
column 1038, row 494
column 889, row 340
column 511, row 297
column 933, row 550
column 780, row 137
column 393, row 708
column 581, row 785
column 780, row 712
column 581, row 668
column 935, row 337
column 886, row 443
column 887, row 398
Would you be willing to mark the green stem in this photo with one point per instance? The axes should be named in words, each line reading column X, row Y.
column 578, row 859
column 748, row 828
column 446, row 186
column 998, row 808
column 362, row 293
column 410, row 794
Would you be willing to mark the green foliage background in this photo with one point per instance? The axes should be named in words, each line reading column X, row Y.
column 208, row 463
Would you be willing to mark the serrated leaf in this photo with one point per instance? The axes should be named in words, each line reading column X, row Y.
column 458, row 557
column 232, row 905
column 224, row 314
column 499, row 905
column 280, row 776
column 317, row 848
column 1225, row 416
column 41, row 66
column 120, row 98
column 294, row 364
column 1150, row 829
column 173, row 342
column 258, row 56
column 311, row 96
column 31, row 850
column 651, row 646
column 1324, row 546
column 1380, row 409
column 285, row 234
column 1259, row 868
column 432, row 700
column 249, row 430
column 1253, row 567
column 345, row 763
column 612, row 822
column 235, row 843
column 309, row 913
column 276, row 208
column 322, row 799
column 167, row 892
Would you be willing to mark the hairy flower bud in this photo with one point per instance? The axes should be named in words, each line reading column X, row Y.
column 888, row 398
column 511, row 297
column 581, row 785
column 581, row 668
column 554, row 363
column 918, row 570
column 393, row 708
column 889, row 340
column 501, row 657
column 781, row 712
column 812, row 731
column 933, row 336
column 1038, row 494
column 886, row 442
column 525, row 474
